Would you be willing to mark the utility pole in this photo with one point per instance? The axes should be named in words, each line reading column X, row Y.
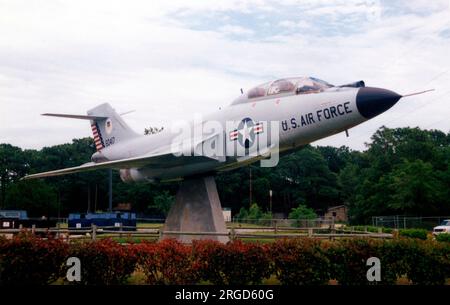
column 59, row 204
column 250, row 185
column 270, row 201
column 110, row 190
column 96, row 193
column 89, row 199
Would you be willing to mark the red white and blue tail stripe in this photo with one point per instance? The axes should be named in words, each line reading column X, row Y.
column 98, row 140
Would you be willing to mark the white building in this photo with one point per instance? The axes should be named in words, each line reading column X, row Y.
column 226, row 214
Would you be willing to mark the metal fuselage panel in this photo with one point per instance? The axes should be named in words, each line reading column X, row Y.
column 301, row 119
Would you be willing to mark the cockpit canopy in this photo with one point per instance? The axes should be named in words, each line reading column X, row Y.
column 285, row 86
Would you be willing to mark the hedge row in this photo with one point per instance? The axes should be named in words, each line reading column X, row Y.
column 443, row 237
column 29, row 260
column 414, row 233
column 372, row 229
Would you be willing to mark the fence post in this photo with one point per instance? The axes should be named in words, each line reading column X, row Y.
column 395, row 232
column 120, row 229
column 276, row 227
column 380, row 230
column 232, row 234
column 94, row 232
column 58, row 228
column 33, row 229
column 310, row 232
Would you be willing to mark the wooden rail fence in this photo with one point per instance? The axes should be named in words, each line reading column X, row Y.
column 233, row 233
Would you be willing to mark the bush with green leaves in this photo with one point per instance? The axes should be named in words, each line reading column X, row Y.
column 427, row 262
column 443, row 237
column 349, row 257
column 234, row 263
column 302, row 214
column 254, row 215
column 414, row 233
column 300, row 261
column 163, row 202
column 372, row 229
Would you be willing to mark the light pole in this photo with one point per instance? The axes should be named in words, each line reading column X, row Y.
column 110, row 190
column 270, row 201
column 250, row 186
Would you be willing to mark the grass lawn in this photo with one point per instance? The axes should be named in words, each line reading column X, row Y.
column 144, row 225
column 238, row 225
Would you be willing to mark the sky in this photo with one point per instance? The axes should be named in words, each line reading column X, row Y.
column 169, row 60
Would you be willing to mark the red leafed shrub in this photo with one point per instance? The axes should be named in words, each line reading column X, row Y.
column 104, row 262
column 27, row 260
column 167, row 262
column 426, row 262
column 233, row 263
column 349, row 257
column 30, row 260
column 300, row 261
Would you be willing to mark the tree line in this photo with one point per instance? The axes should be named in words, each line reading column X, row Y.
column 403, row 171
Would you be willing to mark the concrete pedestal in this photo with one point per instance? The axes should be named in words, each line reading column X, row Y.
column 196, row 209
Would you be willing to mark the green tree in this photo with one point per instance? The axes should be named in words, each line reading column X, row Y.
column 302, row 212
column 35, row 196
column 404, row 171
column 254, row 213
column 336, row 157
column 306, row 177
column 414, row 188
column 243, row 214
column 12, row 167
column 163, row 202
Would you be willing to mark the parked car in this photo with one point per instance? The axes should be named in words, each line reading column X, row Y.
column 444, row 227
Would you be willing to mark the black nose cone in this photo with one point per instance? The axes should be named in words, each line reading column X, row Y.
column 373, row 101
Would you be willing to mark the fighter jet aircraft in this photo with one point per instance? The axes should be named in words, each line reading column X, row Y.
column 275, row 117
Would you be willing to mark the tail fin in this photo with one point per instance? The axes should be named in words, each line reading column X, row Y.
column 106, row 124
column 108, row 127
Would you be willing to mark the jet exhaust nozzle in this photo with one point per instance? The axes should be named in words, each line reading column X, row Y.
column 129, row 175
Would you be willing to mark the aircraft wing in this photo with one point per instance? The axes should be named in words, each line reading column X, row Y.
column 152, row 161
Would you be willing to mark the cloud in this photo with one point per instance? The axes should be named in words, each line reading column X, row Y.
column 294, row 24
column 235, row 30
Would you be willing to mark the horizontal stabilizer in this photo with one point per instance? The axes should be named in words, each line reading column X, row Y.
column 75, row 116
